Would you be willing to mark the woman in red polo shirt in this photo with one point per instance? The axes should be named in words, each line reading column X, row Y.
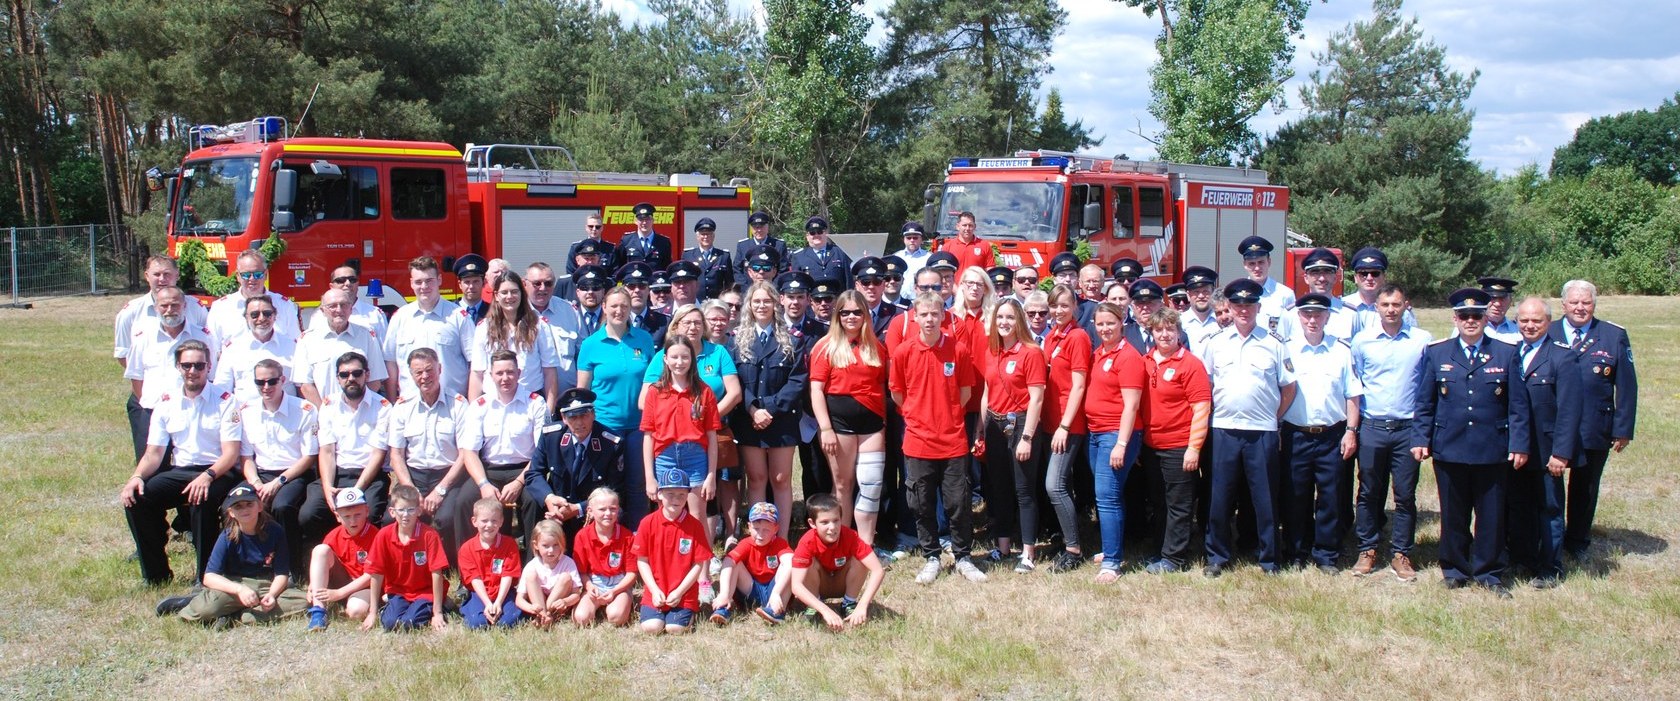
column 848, row 400
column 1114, row 412
column 1013, row 396
column 1068, row 349
column 1180, row 400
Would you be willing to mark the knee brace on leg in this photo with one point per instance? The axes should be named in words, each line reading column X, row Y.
column 871, row 469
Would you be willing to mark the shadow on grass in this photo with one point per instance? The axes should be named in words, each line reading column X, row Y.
column 1612, row 544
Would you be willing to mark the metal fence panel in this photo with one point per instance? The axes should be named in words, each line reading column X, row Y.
column 55, row 261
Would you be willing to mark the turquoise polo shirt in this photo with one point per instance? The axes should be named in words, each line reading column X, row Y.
column 713, row 363
column 616, row 368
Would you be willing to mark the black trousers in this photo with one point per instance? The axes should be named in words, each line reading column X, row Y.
column 1582, row 501
column 1176, row 493
column 287, row 506
column 949, row 478
column 457, row 508
column 1312, row 506
column 1011, row 486
column 316, row 516
column 1472, row 493
column 148, row 523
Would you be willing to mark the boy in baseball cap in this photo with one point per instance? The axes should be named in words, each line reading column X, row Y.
column 671, row 548
column 756, row 572
column 337, row 567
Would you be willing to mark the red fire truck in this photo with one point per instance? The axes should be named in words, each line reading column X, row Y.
column 1168, row 216
column 384, row 203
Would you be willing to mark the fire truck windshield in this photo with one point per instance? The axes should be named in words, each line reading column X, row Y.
column 215, row 196
column 1030, row 211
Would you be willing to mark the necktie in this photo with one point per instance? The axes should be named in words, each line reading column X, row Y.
column 764, row 336
column 1527, row 355
column 590, row 322
column 577, row 460
column 822, row 256
column 1470, row 352
column 1575, row 336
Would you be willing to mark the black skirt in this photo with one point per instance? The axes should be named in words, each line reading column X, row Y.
column 852, row 418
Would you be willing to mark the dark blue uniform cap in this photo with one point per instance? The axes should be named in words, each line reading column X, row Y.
column 470, row 264
column 660, row 282
column 1198, row 275
column 1176, row 291
column 592, row 277
column 1063, row 262
column 1320, row 259
column 243, row 492
column 1497, row 286
column 912, row 227
column 757, row 218
column 586, row 247
column 1126, row 269
column 825, row 289
column 761, row 255
column 1000, row 275
column 1469, row 299
column 705, row 224
column 816, row 224
column 1254, row 247
column 868, row 268
column 635, row 273
column 1244, row 291
column 1370, row 259
column 894, row 265
column 682, row 271
column 794, row 282
column 1313, row 302
column 642, row 209
column 942, row 260
column 1146, row 291
column 575, row 401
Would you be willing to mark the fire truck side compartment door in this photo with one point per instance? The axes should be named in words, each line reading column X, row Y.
column 531, row 235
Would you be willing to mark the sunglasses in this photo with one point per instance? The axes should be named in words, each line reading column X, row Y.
column 894, row 278
column 930, row 288
column 194, row 367
column 541, row 284
column 760, row 268
column 1466, row 316
column 258, row 275
column 592, row 227
column 347, row 374
column 270, row 382
column 346, row 280
column 1037, row 312
column 1367, row 273
column 1026, row 281
column 872, row 282
column 260, row 314
column 851, row 312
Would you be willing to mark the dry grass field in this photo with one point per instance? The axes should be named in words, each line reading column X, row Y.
column 75, row 620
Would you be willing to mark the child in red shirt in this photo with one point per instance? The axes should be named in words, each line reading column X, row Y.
column 680, row 424
column 671, row 551
column 342, row 559
column 757, row 570
column 604, row 554
column 831, row 561
column 407, row 555
column 490, row 567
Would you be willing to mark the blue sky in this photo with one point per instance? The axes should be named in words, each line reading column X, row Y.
column 1547, row 66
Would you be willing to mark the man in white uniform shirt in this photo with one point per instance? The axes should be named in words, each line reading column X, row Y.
column 497, row 439
column 430, row 321
column 352, row 440
column 1320, row 432
column 150, row 368
column 160, row 273
column 363, row 313
column 277, row 442
column 227, row 315
column 262, row 340
column 422, row 436
column 319, row 350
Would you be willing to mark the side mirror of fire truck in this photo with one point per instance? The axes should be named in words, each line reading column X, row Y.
column 930, row 208
column 285, row 193
column 1091, row 219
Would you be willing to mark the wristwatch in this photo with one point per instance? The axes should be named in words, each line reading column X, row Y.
column 281, row 479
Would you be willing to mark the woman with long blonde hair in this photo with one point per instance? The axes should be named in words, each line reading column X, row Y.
column 773, row 372
column 848, row 399
column 1013, row 372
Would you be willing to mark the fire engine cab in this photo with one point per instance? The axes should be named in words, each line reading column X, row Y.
column 384, row 203
column 1167, row 216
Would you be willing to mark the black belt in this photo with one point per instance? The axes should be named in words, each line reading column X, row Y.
column 507, row 466
column 1387, row 424
column 1315, row 430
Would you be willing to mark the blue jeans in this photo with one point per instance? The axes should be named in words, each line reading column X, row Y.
column 688, row 457
column 1110, row 487
column 473, row 613
column 1056, row 483
column 402, row 614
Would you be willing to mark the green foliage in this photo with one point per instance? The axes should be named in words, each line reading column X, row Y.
column 194, row 263
column 1611, row 227
column 1646, row 140
column 1221, row 62
column 1428, row 274
column 1054, row 131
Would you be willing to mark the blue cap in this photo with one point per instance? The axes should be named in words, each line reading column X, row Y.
column 761, row 255
column 942, row 260
column 816, row 224
column 894, row 265
column 1146, row 290
column 592, row 277
column 1176, row 291
column 660, row 282
column 1198, row 275
column 705, row 224
column 1497, row 286
column 1469, row 299
column 682, row 271
column 1244, row 291
column 575, row 401
column 1313, row 302
column 868, row 268
column 470, row 264
column 243, row 492
column 1254, row 247
column 642, row 209
column 1369, row 258
column 636, row 273
column 586, row 247
column 794, row 282
column 758, row 217
column 1320, row 259
column 1000, row 275
column 1064, row 261
column 912, row 227
column 672, row 478
column 826, row 288
column 1126, row 269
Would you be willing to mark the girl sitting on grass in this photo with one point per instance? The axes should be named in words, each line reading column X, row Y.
column 247, row 578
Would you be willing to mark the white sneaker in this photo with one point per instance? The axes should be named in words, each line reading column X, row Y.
column 706, row 591
column 930, row 571
column 966, row 568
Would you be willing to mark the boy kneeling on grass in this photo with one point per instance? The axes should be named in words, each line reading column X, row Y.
column 756, row 570
column 246, row 578
column 407, row 557
column 341, row 559
column 845, row 566
column 490, row 567
column 671, row 549
column 605, row 555
column 550, row 586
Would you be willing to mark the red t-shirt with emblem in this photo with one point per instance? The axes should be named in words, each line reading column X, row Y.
column 669, row 417
column 408, row 567
column 353, row 551
column 671, row 547
column 971, row 332
column 866, row 384
column 761, row 560
column 1009, row 372
column 1175, row 385
column 1069, row 351
column 832, row 557
column 607, row 559
column 1112, row 371
column 904, row 327
column 489, row 564
column 931, row 378
column 977, row 253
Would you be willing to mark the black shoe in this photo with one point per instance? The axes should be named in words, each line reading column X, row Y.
column 222, row 623
column 1547, row 582
column 1213, row 571
column 172, row 605
column 1455, row 583
column 1067, row 562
